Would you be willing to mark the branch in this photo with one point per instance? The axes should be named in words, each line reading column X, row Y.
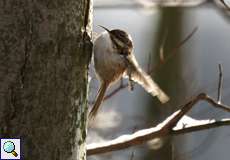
column 164, row 129
column 169, row 126
column 147, row 4
column 214, row 124
column 174, row 50
column 220, row 84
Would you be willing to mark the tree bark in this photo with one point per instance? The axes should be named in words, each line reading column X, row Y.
column 45, row 50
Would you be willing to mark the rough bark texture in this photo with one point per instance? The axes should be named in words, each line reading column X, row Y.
column 44, row 54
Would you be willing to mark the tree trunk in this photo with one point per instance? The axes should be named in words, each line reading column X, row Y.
column 44, row 55
column 169, row 34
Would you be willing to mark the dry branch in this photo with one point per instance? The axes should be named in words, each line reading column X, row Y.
column 166, row 128
column 220, row 84
column 147, row 4
column 174, row 51
column 169, row 126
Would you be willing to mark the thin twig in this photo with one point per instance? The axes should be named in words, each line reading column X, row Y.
column 174, row 50
column 220, row 84
column 162, row 57
column 132, row 155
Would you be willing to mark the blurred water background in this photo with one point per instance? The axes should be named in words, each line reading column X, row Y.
column 193, row 69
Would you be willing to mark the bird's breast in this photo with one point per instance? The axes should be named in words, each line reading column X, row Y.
column 109, row 65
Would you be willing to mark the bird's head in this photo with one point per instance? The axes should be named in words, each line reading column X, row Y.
column 121, row 41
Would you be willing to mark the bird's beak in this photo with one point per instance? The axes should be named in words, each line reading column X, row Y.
column 104, row 28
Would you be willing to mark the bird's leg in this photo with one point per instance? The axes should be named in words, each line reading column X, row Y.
column 129, row 73
column 131, row 82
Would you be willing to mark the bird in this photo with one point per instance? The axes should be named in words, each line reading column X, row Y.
column 114, row 59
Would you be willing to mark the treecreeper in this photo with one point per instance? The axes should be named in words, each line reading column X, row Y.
column 114, row 58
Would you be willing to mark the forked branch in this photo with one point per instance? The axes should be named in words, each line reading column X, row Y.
column 168, row 127
column 163, row 129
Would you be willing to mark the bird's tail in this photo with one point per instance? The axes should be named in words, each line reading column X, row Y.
column 99, row 99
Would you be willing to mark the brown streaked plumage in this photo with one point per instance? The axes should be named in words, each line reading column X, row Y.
column 112, row 58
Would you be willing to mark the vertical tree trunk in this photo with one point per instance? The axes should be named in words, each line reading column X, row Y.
column 44, row 54
column 169, row 33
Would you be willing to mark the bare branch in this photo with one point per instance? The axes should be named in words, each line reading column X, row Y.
column 162, row 57
column 174, row 50
column 132, row 156
column 114, row 145
column 220, row 84
column 150, row 5
column 167, row 127
column 214, row 124
column 140, row 4
column 162, row 130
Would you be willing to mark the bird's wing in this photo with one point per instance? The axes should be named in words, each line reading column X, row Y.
column 142, row 78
